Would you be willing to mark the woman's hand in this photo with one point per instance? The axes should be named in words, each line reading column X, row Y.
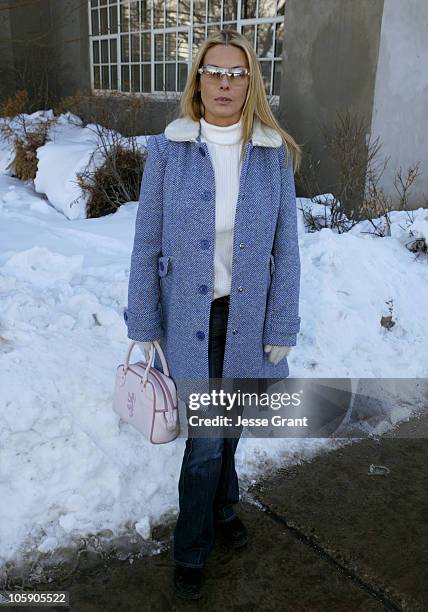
column 145, row 348
column 276, row 353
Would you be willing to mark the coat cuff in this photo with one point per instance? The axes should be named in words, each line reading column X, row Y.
column 143, row 328
column 280, row 331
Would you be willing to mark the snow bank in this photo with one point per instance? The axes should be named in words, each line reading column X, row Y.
column 57, row 170
column 70, row 149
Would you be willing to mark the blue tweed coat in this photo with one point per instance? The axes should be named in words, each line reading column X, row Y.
column 172, row 263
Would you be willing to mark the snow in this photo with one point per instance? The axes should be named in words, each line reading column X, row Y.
column 70, row 149
column 68, row 465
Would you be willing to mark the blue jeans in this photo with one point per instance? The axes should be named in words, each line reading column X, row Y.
column 208, row 486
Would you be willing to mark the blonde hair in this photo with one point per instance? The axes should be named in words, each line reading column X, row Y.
column 256, row 103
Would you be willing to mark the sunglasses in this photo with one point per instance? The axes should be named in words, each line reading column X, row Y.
column 216, row 72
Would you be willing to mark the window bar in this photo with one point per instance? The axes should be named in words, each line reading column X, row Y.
column 163, row 51
column 108, row 49
column 91, row 53
column 176, row 51
column 117, row 38
column 272, row 68
column 152, row 52
column 162, row 63
column 119, row 46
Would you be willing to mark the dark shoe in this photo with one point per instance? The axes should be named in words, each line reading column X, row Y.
column 187, row 581
column 233, row 532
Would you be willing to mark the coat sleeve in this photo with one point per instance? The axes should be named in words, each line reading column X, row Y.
column 282, row 321
column 143, row 315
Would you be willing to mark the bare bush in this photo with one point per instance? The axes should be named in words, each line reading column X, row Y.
column 377, row 205
column 89, row 107
column 14, row 105
column 124, row 112
column 347, row 146
column 24, row 136
column 26, row 151
column 118, row 179
column 357, row 194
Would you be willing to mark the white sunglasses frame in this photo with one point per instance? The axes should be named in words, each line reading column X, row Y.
column 224, row 71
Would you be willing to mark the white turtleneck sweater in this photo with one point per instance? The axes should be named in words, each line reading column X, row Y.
column 224, row 146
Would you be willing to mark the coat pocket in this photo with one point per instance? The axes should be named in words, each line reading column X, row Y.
column 164, row 265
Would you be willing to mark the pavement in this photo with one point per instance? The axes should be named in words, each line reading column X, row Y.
column 324, row 535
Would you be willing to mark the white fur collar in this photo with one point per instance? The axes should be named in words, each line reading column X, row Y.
column 186, row 129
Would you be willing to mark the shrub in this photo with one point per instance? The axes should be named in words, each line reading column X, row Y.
column 25, row 136
column 356, row 194
column 346, row 144
column 118, row 179
column 15, row 105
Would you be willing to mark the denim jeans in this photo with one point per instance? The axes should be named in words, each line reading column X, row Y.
column 208, row 486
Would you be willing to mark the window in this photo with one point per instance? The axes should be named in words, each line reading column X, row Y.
column 147, row 45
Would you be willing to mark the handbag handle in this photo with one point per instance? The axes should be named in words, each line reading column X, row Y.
column 155, row 345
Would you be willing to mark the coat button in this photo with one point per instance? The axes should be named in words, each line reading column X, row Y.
column 205, row 244
column 206, row 195
column 241, row 245
column 202, row 151
column 240, row 289
column 125, row 315
column 161, row 265
column 200, row 335
column 234, row 331
column 203, row 289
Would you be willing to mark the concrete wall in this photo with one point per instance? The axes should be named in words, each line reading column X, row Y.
column 44, row 49
column 400, row 116
column 7, row 77
column 70, row 35
column 330, row 62
column 34, row 62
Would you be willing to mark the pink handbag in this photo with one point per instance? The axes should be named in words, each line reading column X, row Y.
column 147, row 398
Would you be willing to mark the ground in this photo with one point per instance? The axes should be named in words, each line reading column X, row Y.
column 324, row 535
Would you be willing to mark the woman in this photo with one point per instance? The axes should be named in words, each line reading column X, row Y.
column 215, row 268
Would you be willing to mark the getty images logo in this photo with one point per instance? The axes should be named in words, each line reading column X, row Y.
column 131, row 403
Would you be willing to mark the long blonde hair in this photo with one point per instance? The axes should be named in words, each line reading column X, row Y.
column 256, row 102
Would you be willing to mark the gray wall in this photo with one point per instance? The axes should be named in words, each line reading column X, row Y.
column 7, row 78
column 330, row 62
column 44, row 49
column 33, row 66
column 400, row 117
column 70, row 36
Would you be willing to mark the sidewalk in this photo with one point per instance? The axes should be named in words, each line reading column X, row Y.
column 375, row 527
column 325, row 535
